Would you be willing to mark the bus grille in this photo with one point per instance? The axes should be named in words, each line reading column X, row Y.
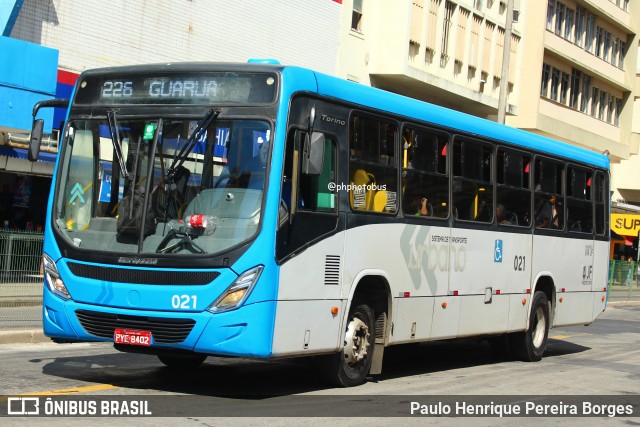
column 143, row 277
column 167, row 331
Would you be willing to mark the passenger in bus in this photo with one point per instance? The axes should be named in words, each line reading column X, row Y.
column 501, row 214
column 484, row 213
column 423, row 208
column 543, row 212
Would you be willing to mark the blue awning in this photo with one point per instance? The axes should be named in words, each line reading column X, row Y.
column 21, row 153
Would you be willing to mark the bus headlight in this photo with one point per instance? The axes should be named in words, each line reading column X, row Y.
column 52, row 278
column 237, row 292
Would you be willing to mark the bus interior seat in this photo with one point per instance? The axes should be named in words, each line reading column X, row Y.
column 362, row 198
column 380, row 201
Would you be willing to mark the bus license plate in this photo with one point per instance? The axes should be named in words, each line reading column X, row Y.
column 132, row 337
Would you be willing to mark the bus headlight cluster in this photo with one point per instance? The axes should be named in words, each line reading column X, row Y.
column 52, row 278
column 237, row 292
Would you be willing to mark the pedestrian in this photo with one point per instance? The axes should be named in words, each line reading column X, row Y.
column 629, row 279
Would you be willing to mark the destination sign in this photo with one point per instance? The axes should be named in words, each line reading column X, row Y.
column 189, row 88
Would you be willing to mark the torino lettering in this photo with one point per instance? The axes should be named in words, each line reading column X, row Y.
column 183, row 88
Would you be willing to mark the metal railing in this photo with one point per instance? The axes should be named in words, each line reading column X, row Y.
column 21, row 278
column 624, row 281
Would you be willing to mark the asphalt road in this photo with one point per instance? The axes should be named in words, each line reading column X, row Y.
column 602, row 359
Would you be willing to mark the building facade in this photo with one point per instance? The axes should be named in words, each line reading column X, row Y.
column 572, row 65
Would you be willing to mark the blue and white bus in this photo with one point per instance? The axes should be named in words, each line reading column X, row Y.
column 266, row 211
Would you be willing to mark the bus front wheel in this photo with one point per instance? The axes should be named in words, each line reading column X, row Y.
column 530, row 345
column 351, row 366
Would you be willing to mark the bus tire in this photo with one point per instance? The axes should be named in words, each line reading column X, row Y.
column 351, row 366
column 531, row 344
column 183, row 362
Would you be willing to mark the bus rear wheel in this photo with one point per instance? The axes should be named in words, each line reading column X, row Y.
column 351, row 366
column 183, row 362
column 530, row 345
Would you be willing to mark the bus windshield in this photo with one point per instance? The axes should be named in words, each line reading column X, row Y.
column 179, row 186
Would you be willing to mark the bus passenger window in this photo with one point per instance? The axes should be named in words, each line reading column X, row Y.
column 548, row 197
column 372, row 165
column 472, row 186
column 513, row 196
column 579, row 200
column 425, row 182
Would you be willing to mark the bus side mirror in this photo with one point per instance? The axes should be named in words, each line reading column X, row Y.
column 313, row 154
column 36, row 137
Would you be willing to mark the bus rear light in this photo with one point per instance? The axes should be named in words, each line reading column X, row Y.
column 334, row 311
column 560, row 299
column 497, row 291
column 406, row 294
column 453, row 293
column 528, row 291
column 444, row 305
column 602, row 298
column 524, row 301
column 562, row 290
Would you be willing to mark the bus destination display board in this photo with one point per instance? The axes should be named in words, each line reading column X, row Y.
column 188, row 88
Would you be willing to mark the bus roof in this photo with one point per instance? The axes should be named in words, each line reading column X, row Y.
column 441, row 116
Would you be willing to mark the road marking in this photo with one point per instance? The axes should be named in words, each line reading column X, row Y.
column 85, row 389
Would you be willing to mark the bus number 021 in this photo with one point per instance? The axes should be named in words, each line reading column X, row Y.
column 184, row 302
column 519, row 263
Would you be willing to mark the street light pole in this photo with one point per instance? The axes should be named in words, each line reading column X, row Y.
column 506, row 54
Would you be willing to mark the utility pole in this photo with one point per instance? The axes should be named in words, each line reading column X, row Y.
column 506, row 54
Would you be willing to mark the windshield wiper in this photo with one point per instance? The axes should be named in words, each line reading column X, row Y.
column 115, row 140
column 185, row 241
column 191, row 142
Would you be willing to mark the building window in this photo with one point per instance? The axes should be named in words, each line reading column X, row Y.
column 559, row 18
column 622, row 52
column 546, row 70
column 575, row 88
column 551, row 7
column 607, row 45
column 586, row 94
column 555, row 83
column 599, row 41
column 610, row 109
column 356, row 16
column 616, row 120
column 595, row 96
column 446, row 29
column 602, row 105
column 591, row 29
column 564, row 88
column 568, row 25
column 579, row 27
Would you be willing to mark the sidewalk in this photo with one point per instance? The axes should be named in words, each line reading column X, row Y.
column 21, row 325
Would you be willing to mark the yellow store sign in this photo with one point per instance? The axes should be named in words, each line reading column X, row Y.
column 625, row 224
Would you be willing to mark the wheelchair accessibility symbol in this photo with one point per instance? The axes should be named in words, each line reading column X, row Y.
column 497, row 251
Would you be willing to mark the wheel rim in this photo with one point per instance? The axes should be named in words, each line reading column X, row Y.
column 538, row 333
column 356, row 341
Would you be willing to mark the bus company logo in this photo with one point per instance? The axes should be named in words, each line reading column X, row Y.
column 23, row 406
column 137, row 261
